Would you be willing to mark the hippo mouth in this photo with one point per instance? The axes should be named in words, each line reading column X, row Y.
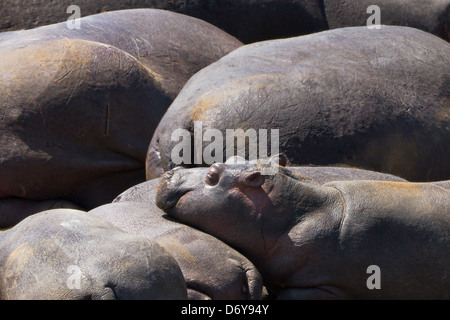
column 169, row 193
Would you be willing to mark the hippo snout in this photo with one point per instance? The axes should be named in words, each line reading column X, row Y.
column 170, row 189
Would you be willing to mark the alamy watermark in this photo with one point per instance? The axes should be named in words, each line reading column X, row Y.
column 237, row 142
column 74, row 280
column 374, row 281
column 374, row 21
column 74, row 22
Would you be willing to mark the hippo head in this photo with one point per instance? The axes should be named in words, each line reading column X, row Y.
column 236, row 202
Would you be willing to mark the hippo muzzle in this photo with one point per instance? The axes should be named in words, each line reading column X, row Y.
column 173, row 185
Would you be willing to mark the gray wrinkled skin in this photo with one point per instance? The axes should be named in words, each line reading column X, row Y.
column 212, row 269
column 432, row 16
column 316, row 241
column 443, row 184
column 371, row 99
column 79, row 107
column 172, row 46
column 249, row 20
column 36, row 257
column 76, row 140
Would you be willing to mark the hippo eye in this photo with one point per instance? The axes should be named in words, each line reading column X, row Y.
column 213, row 175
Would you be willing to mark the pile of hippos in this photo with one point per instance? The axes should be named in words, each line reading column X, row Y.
column 93, row 206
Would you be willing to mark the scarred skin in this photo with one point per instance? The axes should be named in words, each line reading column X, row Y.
column 212, row 269
column 68, row 124
column 371, row 99
column 37, row 257
column 79, row 107
column 316, row 241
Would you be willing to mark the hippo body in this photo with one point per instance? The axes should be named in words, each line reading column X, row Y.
column 212, row 269
column 317, row 241
column 443, row 184
column 41, row 257
column 79, row 107
column 248, row 20
column 68, row 127
column 430, row 16
column 172, row 46
column 371, row 99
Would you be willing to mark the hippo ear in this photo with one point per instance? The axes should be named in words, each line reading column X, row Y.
column 279, row 159
column 253, row 179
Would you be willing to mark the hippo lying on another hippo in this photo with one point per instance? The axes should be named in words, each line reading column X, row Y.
column 371, row 99
column 146, row 191
column 135, row 211
column 66, row 254
column 212, row 269
column 317, row 241
column 79, row 107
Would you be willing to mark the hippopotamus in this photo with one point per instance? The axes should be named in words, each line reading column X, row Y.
column 212, row 269
column 371, row 99
column 248, row 20
column 430, row 16
column 70, row 110
column 317, row 241
column 139, row 214
column 146, row 191
column 80, row 133
column 172, row 46
column 67, row 254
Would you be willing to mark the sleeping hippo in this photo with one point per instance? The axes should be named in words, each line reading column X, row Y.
column 372, row 99
column 317, row 241
column 79, row 107
column 66, row 254
column 146, row 191
column 212, row 269
column 135, row 211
